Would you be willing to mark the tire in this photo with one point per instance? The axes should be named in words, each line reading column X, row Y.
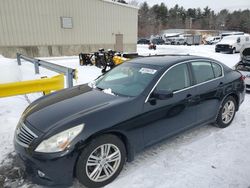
column 101, row 148
column 233, row 51
column 227, row 112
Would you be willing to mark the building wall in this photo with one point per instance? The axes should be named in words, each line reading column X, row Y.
column 34, row 26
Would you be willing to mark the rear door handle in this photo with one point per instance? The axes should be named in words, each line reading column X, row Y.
column 191, row 99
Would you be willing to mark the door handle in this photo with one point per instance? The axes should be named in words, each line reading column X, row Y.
column 192, row 99
column 189, row 96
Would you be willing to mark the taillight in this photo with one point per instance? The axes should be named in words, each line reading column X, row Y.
column 242, row 77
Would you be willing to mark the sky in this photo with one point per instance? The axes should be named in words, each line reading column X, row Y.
column 215, row 5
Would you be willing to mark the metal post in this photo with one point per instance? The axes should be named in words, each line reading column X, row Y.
column 36, row 64
column 68, row 72
column 69, row 78
column 18, row 59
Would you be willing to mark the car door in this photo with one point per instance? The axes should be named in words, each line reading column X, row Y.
column 177, row 113
column 209, row 80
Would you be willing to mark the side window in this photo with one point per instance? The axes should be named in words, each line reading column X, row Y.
column 203, row 71
column 175, row 79
column 217, row 70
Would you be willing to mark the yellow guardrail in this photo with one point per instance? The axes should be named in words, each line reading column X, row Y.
column 45, row 85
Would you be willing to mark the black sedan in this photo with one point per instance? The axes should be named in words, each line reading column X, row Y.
column 90, row 131
column 143, row 41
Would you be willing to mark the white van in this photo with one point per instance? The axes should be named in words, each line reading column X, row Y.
column 233, row 43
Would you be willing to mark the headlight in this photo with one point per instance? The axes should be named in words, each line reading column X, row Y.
column 60, row 141
column 230, row 46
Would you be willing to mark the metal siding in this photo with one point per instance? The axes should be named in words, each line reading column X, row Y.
column 36, row 22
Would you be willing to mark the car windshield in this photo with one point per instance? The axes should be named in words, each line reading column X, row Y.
column 128, row 79
column 229, row 39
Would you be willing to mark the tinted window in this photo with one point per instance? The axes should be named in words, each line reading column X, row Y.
column 217, row 70
column 175, row 79
column 203, row 71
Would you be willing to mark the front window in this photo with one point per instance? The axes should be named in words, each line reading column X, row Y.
column 175, row 79
column 128, row 79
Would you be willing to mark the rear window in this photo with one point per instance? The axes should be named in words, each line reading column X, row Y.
column 205, row 71
column 217, row 70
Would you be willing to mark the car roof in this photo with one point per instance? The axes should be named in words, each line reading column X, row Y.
column 166, row 60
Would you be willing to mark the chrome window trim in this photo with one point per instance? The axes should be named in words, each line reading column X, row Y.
column 189, row 61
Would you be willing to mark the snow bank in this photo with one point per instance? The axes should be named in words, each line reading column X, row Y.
column 9, row 71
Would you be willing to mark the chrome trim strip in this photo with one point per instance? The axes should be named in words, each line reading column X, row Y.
column 20, row 143
column 196, row 60
column 28, row 130
column 21, row 135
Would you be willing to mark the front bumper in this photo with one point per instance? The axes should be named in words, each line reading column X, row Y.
column 48, row 169
column 223, row 49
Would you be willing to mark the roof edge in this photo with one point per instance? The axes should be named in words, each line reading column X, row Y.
column 121, row 4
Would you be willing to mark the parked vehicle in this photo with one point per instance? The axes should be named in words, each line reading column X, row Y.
column 169, row 41
column 244, row 65
column 222, row 35
column 90, row 131
column 158, row 41
column 143, row 41
column 232, row 44
column 193, row 39
column 179, row 41
column 213, row 40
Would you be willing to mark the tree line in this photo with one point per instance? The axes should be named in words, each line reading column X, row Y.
column 159, row 17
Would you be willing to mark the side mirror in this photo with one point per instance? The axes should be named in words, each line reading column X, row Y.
column 162, row 94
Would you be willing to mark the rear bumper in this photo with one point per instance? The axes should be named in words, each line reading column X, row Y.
column 47, row 169
column 247, row 82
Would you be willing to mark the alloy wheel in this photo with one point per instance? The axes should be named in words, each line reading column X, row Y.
column 228, row 112
column 103, row 162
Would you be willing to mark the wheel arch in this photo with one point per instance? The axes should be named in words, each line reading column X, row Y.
column 236, row 97
column 122, row 136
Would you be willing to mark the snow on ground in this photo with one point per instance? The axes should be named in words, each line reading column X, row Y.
column 202, row 157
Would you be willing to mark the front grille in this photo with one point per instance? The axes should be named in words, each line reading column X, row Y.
column 24, row 136
column 224, row 46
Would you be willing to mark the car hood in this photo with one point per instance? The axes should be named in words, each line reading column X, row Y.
column 245, row 54
column 228, row 42
column 66, row 105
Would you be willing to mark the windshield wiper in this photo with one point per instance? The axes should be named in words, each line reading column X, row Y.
column 99, row 88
